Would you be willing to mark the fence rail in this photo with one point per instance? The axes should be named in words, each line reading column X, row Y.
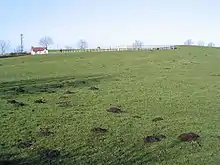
column 145, row 48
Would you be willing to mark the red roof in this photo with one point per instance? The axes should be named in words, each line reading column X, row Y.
column 38, row 49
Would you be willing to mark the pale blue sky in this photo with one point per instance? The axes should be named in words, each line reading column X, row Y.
column 109, row 22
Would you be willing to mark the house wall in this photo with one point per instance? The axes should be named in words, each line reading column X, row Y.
column 39, row 52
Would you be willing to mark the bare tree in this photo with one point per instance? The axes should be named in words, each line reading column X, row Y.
column 4, row 45
column 211, row 44
column 137, row 44
column 68, row 47
column 46, row 41
column 82, row 44
column 18, row 49
column 201, row 43
column 188, row 42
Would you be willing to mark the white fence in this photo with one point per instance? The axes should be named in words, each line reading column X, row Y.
column 127, row 48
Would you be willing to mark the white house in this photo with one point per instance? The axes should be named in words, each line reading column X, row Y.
column 38, row 50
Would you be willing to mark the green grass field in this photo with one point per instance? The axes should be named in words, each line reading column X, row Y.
column 179, row 86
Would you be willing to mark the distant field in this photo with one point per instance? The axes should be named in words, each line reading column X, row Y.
column 53, row 108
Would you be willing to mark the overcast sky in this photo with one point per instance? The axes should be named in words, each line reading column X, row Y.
column 109, row 22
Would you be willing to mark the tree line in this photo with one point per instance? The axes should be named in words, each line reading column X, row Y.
column 199, row 43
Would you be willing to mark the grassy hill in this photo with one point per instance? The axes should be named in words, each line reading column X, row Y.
column 53, row 108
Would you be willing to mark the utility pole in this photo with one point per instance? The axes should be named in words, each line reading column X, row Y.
column 22, row 47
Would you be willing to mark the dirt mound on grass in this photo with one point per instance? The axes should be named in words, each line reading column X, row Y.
column 99, row 130
column 40, row 101
column 187, row 137
column 24, row 144
column 64, row 104
column 16, row 103
column 114, row 109
column 68, row 92
column 93, row 88
column 45, row 132
column 49, row 155
column 218, row 137
column 157, row 119
column 136, row 116
column 20, row 89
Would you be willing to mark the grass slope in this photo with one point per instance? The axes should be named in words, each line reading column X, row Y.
column 181, row 86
